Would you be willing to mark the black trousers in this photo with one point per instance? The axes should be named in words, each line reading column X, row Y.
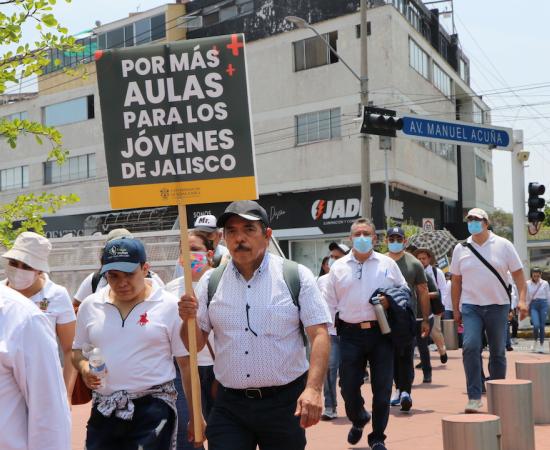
column 403, row 368
column 150, row 428
column 240, row 423
column 358, row 346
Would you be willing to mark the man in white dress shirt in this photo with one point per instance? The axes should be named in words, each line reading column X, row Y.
column 352, row 281
column 268, row 395
column 34, row 412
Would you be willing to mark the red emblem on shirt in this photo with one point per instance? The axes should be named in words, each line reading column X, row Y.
column 143, row 320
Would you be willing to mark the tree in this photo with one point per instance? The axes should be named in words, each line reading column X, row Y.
column 502, row 223
column 29, row 59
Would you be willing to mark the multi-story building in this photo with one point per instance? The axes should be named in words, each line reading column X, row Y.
column 305, row 108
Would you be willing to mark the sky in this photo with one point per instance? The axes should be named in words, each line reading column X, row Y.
column 506, row 42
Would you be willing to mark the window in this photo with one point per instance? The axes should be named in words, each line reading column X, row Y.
column 140, row 32
column 418, row 59
column 71, row 111
column 74, row 168
column 313, row 52
column 21, row 115
column 229, row 13
column 445, row 151
column 481, row 168
column 318, row 126
column 463, row 70
column 477, row 113
column 442, row 81
column 14, row 178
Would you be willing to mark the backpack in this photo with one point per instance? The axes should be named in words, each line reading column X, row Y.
column 95, row 280
column 290, row 275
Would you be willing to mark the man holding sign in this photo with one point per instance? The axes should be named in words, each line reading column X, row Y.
column 267, row 395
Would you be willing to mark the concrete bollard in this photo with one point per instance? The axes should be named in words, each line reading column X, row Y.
column 450, row 333
column 537, row 371
column 512, row 401
column 471, row 432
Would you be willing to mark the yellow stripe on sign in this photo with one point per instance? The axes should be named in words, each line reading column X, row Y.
column 183, row 192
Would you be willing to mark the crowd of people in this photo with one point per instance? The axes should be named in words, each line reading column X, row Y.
column 274, row 342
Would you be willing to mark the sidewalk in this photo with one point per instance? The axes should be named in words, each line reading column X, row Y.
column 420, row 430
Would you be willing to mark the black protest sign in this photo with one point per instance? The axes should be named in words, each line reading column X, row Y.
column 176, row 123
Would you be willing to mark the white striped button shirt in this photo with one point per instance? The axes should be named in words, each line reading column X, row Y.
column 265, row 347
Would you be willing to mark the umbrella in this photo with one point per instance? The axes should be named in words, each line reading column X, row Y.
column 440, row 242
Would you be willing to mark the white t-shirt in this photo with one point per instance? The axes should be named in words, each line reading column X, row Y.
column 479, row 285
column 446, row 296
column 138, row 350
column 177, row 287
column 34, row 412
column 54, row 301
column 85, row 288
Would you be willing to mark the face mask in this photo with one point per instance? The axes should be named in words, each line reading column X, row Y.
column 395, row 247
column 20, row 279
column 199, row 261
column 331, row 262
column 362, row 244
column 475, row 227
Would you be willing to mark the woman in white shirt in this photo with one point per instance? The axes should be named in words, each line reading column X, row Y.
column 538, row 296
column 27, row 274
column 202, row 253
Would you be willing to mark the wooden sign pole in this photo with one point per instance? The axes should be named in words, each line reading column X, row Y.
column 191, row 325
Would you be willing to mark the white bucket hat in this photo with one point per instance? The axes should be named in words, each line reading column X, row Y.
column 31, row 249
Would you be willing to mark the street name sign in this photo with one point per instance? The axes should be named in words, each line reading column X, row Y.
column 176, row 123
column 456, row 132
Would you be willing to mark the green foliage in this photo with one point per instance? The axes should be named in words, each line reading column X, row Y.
column 24, row 60
column 502, row 223
column 29, row 59
column 25, row 214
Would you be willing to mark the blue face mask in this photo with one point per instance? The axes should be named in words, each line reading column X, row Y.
column 362, row 244
column 331, row 262
column 396, row 247
column 475, row 227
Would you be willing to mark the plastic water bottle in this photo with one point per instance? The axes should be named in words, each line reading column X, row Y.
column 380, row 315
column 97, row 365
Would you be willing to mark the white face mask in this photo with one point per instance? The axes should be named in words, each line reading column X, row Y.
column 20, row 279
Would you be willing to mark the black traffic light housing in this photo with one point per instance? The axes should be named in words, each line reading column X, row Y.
column 535, row 203
column 380, row 121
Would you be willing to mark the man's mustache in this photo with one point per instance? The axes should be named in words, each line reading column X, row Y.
column 242, row 248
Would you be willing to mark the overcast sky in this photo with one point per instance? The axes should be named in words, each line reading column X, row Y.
column 506, row 41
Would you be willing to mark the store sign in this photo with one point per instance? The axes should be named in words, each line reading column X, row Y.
column 177, row 123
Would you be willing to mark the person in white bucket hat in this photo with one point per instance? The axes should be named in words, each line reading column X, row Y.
column 27, row 273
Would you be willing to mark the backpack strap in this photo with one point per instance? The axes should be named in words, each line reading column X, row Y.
column 507, row 288
column 291, row 276
column 214, row 281
column 95, row 280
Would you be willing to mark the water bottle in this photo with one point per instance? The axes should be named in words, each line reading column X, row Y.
column 380, row 315
column 97, row 366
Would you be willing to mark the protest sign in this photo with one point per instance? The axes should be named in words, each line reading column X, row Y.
column 176, row 123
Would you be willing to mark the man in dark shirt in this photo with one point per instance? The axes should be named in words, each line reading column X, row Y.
column 415, row 276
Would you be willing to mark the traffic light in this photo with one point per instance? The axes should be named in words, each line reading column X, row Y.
column 380, row 121
column 535, row 203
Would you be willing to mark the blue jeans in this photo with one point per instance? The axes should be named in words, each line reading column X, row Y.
column 492, row 318
column 329, row 389
column 358, row 346
column 538, row 309
column 206, row 376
